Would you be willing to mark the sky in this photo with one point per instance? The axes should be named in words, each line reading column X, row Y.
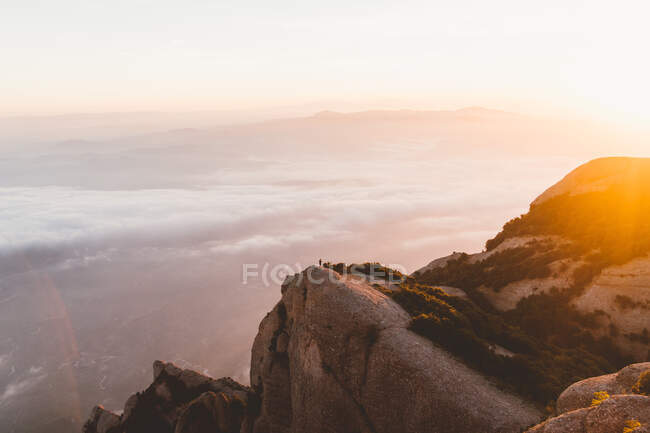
column 579, row 58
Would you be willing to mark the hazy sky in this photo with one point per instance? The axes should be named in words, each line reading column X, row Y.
column 581, row 57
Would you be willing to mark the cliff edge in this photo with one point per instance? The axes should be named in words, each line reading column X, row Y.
column 334, row 355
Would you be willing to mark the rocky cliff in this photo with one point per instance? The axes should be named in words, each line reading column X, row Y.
column 177, row 401
column 334, row 355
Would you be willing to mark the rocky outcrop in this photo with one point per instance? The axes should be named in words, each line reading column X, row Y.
column 335, row 355
column 603, row 404
column 617, row 414
column 102, row 421
column 581, row 394
column 178, row 401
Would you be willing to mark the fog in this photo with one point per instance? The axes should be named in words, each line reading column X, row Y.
column 123, row 245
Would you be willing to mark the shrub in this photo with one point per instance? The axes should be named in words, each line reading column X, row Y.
column 599, row 397
column 538, row 370
column 499, row 269
column 643, row 384
column 631, row 425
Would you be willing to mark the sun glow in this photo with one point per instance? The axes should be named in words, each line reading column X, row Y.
column 559, row 57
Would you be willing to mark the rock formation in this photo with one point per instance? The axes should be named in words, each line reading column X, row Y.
column 178, row 401
column 334, row 355
column 581, row 394
column 604, row 404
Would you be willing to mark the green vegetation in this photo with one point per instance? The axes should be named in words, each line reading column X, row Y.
column 542, row 364
column 643, row 337
column 376, row 270
column 626, row 303
column 553, row 344
column 538, row 370
column 499, row 269
column 599, row 398
column 608, row 227
column 550, row 317
column 631, row 425
column 643, row 384
column 591, row 231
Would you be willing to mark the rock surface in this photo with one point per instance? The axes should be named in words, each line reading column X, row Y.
column 102, row 421
column 619, row 410
column 581, row 394
column 178, row 401
column 335, row 355
column 613, row 415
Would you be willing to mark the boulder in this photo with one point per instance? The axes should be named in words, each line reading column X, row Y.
column 619, row 413
column 178, row 401
column 581, row 394
column 335, row 355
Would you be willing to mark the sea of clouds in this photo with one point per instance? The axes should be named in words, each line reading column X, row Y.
column 115, row 256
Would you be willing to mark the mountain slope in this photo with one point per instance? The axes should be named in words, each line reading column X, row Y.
column 584, row 245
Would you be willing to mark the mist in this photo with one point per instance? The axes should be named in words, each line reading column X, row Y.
column 117, row 248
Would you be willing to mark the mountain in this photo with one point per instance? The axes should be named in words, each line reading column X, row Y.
column 580, row 256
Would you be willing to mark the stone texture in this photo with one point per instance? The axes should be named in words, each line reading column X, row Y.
column 211, row 413
column 580, row 394
column 611, row 416
column 578, row 415
column 178, row 401
column 102, row 421
column 351, row 365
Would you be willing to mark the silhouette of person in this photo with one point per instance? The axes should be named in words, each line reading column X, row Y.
column 320, row 262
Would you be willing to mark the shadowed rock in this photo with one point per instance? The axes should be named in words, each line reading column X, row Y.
column 178, row 401
column 102, row 421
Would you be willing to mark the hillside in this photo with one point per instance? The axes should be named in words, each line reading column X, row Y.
column 576, row 268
